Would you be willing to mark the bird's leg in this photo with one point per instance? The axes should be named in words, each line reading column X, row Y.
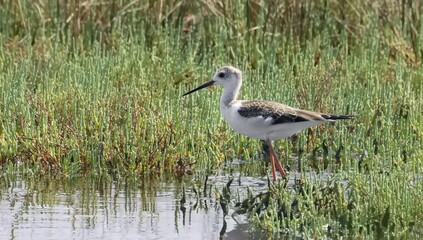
column 279, row 166
column 271, row 156
column 272, row 163
column 275, row 160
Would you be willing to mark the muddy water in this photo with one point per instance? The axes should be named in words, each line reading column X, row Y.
column 99, row 207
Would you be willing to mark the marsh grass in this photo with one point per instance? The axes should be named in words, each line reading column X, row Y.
column 354, row 206
column 95, row 87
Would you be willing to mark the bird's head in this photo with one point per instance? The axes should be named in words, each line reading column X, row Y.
column 226, row 76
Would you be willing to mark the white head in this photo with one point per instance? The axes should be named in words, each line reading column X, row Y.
column 227, row 76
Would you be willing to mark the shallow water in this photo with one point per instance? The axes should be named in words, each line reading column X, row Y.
column 105, row 208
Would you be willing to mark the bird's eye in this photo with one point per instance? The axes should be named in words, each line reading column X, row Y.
column 222, row 75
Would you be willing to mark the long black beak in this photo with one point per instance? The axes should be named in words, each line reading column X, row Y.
column 200, row 87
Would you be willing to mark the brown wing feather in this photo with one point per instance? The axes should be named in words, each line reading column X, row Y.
column 284, row 114
column 279, row 112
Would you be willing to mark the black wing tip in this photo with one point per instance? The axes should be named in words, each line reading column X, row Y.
column 337, row 117
column 289, row 118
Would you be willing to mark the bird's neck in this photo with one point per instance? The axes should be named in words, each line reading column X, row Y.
column 229, row 96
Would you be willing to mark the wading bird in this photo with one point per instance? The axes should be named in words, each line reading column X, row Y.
column 263, row 120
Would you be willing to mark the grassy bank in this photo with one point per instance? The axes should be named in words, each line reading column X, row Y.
column 95, row 87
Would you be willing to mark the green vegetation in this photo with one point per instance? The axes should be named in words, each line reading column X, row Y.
column 95, row 87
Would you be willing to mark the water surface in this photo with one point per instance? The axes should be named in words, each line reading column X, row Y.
column 99, row 207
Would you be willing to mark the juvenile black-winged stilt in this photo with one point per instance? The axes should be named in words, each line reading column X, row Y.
column 264, row 120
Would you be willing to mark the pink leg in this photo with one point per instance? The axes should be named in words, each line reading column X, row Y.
column 275, row 160
column 272, row 163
